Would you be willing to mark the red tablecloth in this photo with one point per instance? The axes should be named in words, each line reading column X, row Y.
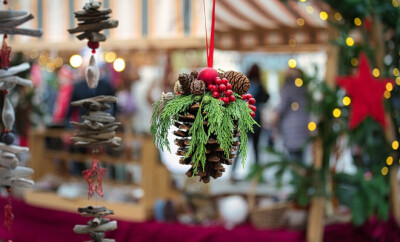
column 33, row 224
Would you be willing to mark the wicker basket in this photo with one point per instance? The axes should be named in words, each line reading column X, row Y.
column 270, row 217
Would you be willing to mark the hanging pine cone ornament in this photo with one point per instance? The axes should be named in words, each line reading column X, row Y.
column 211, row 124
column 240, row 83
column 197, row 87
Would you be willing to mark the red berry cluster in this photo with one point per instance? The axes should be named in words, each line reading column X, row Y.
column 251, row 102
column 222, row 90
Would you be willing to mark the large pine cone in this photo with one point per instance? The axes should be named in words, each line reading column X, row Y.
column 215, row 155
column 240, row 83
column 185, row 80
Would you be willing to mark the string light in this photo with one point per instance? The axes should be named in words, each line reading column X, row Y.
column 300, row 21
column 357, row 21
column 346, row 101
column 354, row 61
column 294, row 106
column 396, row 71
column 386, row 94
column 58, row 62
column 389, row 87
column 338, row 16
column 323, row 15
column 349, row 41
column 109, row 57
column 395, row 145
column 384, row 171
column 376, row 72
column 303, row 1
column 309, row 9
column 312, row 126
column 292, row 63
column 398, row 81
column 292, row 42
column 33, row 54
column 119, row 65
column 298, row 82
column 389, row 160
column 336, row 113
column 395, row 3
column 75, row 61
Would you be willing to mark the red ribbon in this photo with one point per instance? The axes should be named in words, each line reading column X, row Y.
column 210, row 49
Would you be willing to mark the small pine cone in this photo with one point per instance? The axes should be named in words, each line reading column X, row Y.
column 194, row 74
column 185, row 80
column 240, row 83
column 177, row 87
column 197, row 87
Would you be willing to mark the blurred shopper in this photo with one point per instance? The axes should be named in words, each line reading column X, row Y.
column 258, row 92
column 292, row 115
column 65, row 80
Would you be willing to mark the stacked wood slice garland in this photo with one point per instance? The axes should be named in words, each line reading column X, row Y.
column 92, row 20
column 97, row 226
column 98, row 127
column 10, row 20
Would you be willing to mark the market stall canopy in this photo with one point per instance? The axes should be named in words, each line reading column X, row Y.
column 273, row 25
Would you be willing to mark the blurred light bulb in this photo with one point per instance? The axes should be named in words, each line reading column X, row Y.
column 75, row 61
column 119, row 65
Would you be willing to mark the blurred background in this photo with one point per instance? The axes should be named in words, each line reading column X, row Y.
column 304, row 162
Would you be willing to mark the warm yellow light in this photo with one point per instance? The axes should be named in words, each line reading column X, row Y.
column 323, row 15
column 75, row 61
column 303, row 1
column 398, row 81
column 50, row 67
column 389, row 160
column 119, row 65
column 389, row 86
column 396, row 71
column 336, row 113
column 294, row 106
column 58, row 62
column 309, row 9
column 346, row 101
column 357, row 21
column 349, row 41
column 395, row 3
column 110, row 57
column 300, row 21
column 386, row 94
column 376, row 72
column 384, row 171
column 34, row 54
column 354, row 61
column 292, row 63
column 395, row 145
column 338, row 16
column 312, row 126
column 298, row 82
column 292, row 42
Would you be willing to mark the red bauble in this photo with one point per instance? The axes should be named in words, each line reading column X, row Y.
column 93, row 45
column 253, row 114
column 252, row 101
column 207, row 75
column 366, row 94
column 229, row 86
column 215, row 94
column 225, row 100
column 232, row 98
column 228, row 93
column 222, row 88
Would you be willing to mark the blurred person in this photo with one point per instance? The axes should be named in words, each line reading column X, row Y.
column 259, row 93
column 127, row 105
column 292, row 116
column 65, row 79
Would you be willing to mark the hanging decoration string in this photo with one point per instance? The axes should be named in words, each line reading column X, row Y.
column 210, row 48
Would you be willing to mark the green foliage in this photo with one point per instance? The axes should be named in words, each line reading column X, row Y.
column 221, row 123
column 365, row 196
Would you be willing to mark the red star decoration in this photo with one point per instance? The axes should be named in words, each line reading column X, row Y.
column 5, row 53
column 366, row 94
column 94, row 177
